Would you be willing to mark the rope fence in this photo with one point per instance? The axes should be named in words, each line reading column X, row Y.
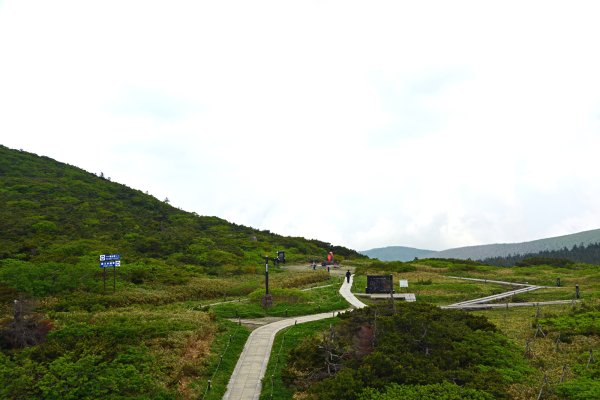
column 276, row 368
column 209, row 383
column 269, row 313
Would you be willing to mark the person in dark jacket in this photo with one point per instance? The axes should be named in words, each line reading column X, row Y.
column 348, row 275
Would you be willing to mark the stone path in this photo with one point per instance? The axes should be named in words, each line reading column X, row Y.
column 246, row 380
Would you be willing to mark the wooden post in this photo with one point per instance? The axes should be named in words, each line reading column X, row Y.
column 528, row 352
column 18, row 312
column 266, row 275
column 392, row 293
column 267, row 300
column 539, row 330
column 564, row 373
column 542, row 388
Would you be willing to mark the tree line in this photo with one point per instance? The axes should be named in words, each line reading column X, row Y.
column 589, row 254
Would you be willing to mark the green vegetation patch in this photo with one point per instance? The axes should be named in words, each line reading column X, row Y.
column 132, row 353
column 581, row 321
column 287, row 339
column 586, row 385
column 286, row 303
column 418, row 345
column 385, row 266
column 439, row 391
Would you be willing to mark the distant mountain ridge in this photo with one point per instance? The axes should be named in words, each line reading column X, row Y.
column 398, row 253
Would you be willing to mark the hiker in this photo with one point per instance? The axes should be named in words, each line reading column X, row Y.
column 348, row 274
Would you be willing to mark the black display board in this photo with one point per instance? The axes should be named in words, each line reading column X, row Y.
column 379, row 283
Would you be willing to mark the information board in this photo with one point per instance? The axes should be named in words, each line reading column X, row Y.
column 379, row 283
column 106, row 264
column 110, row 257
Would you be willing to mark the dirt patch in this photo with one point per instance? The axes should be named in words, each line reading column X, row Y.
column 333, row 271
column 196, row 349
column 255, row 323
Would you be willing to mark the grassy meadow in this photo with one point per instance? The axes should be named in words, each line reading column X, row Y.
column 559, row 342
column 165, row 336
column 158, row 338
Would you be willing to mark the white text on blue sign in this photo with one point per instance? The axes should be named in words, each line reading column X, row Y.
column 105, row 264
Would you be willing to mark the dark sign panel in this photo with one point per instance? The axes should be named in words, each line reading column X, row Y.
column 379, row 283
column 281, row 256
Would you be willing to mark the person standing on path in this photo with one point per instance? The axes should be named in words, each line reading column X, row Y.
column 348, row 275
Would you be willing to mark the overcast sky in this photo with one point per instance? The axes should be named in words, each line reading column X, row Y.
column 430, row 124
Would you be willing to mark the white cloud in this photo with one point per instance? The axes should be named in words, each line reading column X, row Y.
column 429, row 124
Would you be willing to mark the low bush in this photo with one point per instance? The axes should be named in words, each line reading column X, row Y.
column 290, row 296
column 418, row 345
column 386, row 266
column 440, row 391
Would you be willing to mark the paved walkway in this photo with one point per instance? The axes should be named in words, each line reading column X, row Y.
column 246, row 380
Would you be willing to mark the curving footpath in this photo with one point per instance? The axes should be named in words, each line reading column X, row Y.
column 246, row 379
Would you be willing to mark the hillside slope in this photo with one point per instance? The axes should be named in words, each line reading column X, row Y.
column 56, row 212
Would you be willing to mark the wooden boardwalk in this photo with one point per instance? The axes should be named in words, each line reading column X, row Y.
column 484, row 302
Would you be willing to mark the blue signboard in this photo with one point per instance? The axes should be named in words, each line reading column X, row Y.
column 105, row 264
column 109, row 257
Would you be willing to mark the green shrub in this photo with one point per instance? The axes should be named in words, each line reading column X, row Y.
column 418, row 345
column 386, row 266
column 290, row 296
column 441, row 391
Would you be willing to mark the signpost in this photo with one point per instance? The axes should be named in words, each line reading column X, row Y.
column 267, row 300
column 107, row 261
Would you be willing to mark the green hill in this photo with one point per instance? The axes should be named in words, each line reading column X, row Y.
column 56, row 212
column 150, row 329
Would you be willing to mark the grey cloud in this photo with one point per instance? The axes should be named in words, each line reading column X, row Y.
column 155, row 104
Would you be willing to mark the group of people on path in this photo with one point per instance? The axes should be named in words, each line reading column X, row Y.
column 328, row 263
